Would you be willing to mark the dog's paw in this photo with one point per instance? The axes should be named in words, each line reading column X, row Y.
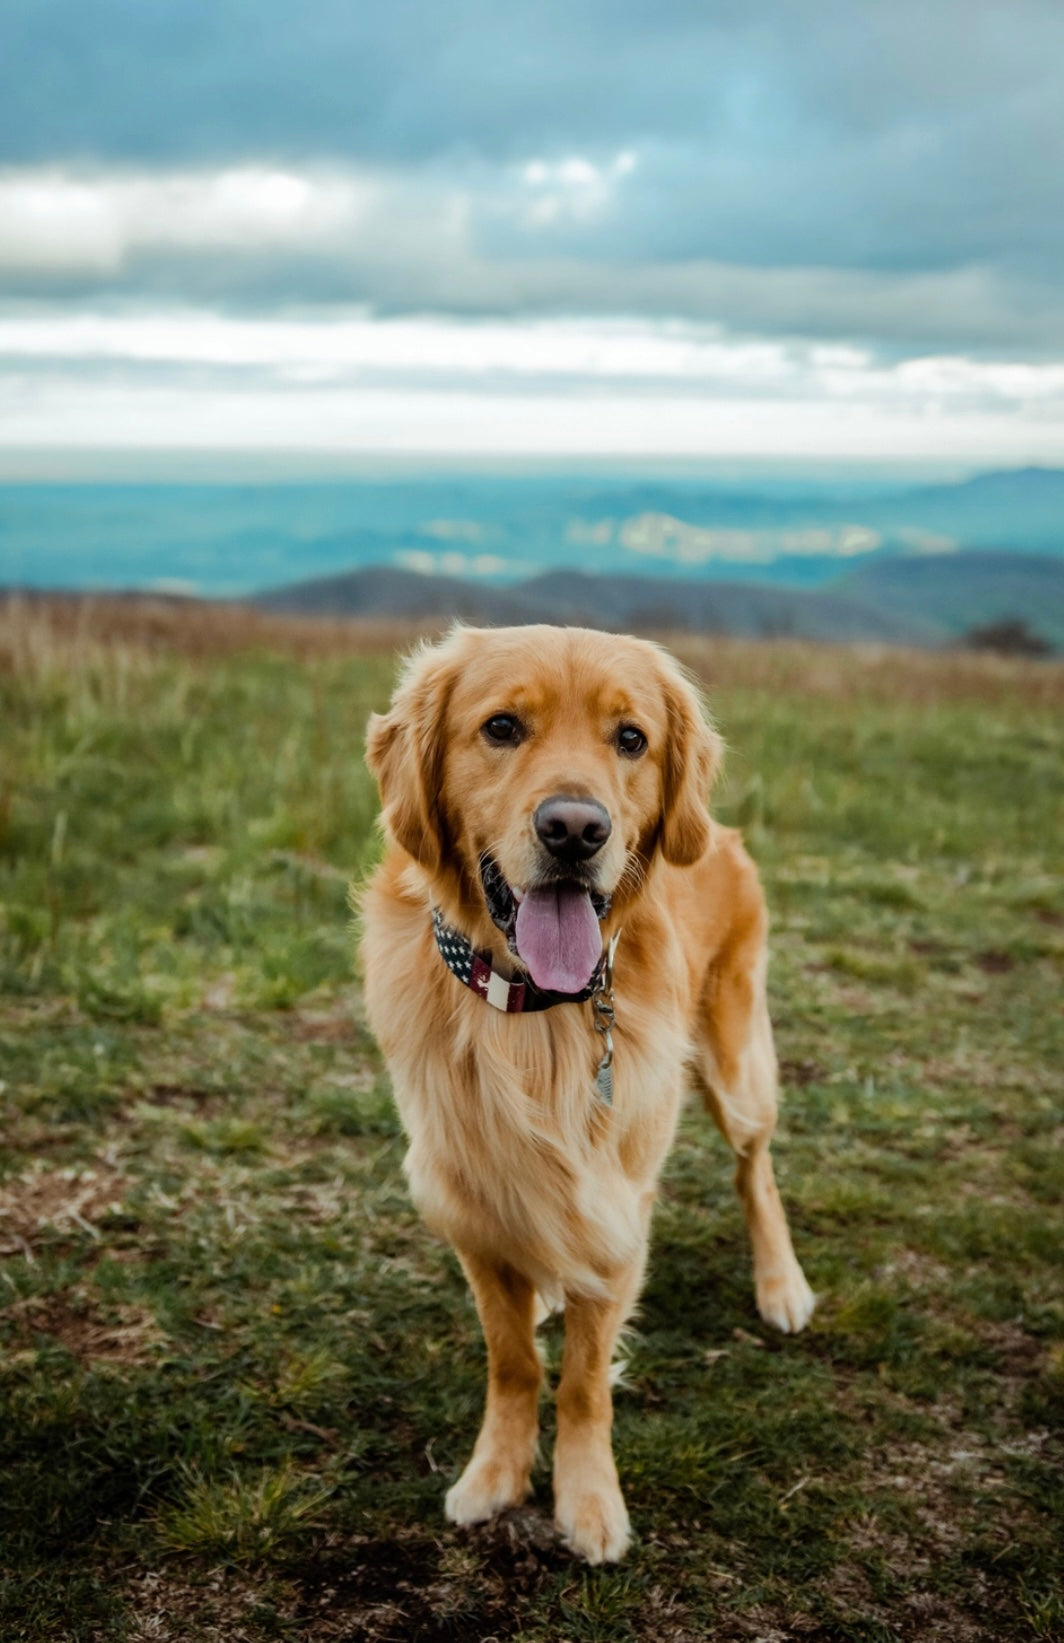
column 489, row 1485
column 785, row 1300
column 593, row 1522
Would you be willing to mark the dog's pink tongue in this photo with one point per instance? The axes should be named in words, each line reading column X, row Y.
column 558, row 937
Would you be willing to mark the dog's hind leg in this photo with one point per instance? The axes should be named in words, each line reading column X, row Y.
column 737, row 1076
column 499, row 1470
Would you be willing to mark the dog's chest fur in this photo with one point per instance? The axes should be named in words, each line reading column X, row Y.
column 513, row 1152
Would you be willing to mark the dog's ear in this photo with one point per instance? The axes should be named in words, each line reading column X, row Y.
column 692, row 758
column 405, row 752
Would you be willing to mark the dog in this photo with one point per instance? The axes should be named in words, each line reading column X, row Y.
column 559, row 940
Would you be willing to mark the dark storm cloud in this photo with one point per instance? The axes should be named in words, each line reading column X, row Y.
column 208, row 78
column 963, row 311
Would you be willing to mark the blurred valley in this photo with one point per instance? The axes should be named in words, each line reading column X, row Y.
column 842, row 559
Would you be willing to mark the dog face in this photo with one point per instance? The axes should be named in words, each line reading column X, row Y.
column 545, row 766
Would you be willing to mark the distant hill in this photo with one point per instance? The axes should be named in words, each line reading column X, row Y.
column 582, row 600
column 742, row 608
column 382, row 591
column 922, row 601
column 1016, row 510
column 955, row 592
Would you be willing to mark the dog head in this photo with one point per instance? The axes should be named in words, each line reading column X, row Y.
column 540, row 770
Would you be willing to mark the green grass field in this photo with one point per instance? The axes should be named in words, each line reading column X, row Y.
column 237, row 1375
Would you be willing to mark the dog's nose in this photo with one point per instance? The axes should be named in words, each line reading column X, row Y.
column 572, row 829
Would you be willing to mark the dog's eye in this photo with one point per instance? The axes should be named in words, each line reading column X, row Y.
column 631, row 741
column 503, row 729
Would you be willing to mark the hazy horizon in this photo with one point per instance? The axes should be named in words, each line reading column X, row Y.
column 257, row 467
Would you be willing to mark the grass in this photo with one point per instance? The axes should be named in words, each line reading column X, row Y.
column 237, row 1374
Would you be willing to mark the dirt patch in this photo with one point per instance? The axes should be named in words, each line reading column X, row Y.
column 90, row 1331
column 220, row 994
column 181, row 1096
column 339, row 1020
column 918, row 1269
column 417, row 1591
column 48, row 1200
column 222, row 1607
column 1020, row 1356
column 800, row 1073
column 324, row 1029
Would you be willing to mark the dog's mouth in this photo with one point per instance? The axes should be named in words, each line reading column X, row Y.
column 552, row 927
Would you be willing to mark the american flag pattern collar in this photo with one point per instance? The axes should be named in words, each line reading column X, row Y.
column 511, row 997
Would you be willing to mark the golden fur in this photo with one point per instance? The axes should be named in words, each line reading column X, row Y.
column 514, row 1158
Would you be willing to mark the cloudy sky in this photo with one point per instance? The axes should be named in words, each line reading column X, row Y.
column 604, row 228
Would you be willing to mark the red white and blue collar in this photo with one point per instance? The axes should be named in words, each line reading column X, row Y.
column 476, row 971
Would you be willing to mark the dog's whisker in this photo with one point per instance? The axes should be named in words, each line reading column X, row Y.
column 634, row 874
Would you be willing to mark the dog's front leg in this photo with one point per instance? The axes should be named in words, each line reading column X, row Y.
column 589, row 1508
column 499, row 1470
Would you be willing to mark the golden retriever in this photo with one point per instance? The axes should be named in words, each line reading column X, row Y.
column 544, row 791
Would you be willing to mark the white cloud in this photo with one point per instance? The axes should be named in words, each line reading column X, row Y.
column 455, row 564
column 357, row 347
column 596, row 533
column 470, row 237
column 573, row 188
column 56, row 220
column 1006, row 380
column 416, row 560
column 453, row 530
column 589, row 348
column 349, row 382
column 59, row 410
column 920, row 543
column 662, row 536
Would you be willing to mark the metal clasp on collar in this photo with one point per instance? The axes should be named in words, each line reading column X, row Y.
column 602, row 1003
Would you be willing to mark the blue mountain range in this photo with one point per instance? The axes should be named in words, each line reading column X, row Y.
column 936, row 557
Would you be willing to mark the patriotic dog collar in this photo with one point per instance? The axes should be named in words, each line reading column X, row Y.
column 476, row 972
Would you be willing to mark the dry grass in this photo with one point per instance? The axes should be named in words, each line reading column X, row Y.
column 867, row 672
column 43, row 632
